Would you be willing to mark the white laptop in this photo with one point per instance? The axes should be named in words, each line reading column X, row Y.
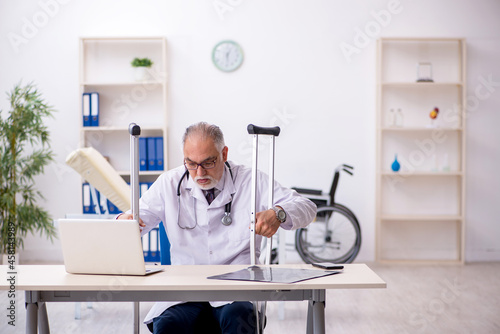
column 103, row 246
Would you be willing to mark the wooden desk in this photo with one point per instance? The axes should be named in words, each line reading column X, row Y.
column 47, row 283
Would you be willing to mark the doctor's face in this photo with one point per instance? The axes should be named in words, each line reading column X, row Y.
column 203, row 152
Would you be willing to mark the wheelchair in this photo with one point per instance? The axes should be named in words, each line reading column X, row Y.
column 335, row 234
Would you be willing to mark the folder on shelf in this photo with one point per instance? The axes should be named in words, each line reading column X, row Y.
column 164, row 245
column 159, row 153
column 143, row 154
column 86, row 109
column 153, row 241
column 94, row 109
column 103, row 203
column 143, row 187
column 150, row 246
column 151, row 153
column 87, row 199
column 145, row 244
column 113, row 209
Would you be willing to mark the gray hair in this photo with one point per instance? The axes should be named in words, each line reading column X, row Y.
column 205, row 131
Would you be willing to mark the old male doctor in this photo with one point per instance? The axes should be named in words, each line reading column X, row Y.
column 192, row 200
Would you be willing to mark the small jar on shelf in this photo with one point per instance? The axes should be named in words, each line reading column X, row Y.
column 398, row 118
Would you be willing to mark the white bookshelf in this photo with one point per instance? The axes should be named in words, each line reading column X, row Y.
column 420, row 208
column 105, row 68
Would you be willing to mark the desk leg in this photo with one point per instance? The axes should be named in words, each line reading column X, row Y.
column 316, row 313
column 310, row 329
column 31, row 318
column 36, row 314
column 43, row 319
column 31, row 300
column 319, row 317
column 136, row 317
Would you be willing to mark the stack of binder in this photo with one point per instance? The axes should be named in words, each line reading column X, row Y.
column 89, row 203
column 151, row 153
column 90, row 109
column 150, row 241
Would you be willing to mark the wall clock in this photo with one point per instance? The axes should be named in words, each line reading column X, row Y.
column 227, row 56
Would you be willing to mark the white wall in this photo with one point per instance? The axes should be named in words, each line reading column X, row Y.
column 294, row 75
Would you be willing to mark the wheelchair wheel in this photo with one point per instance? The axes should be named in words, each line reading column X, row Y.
column 334, row 236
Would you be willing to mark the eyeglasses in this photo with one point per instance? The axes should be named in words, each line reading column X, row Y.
column 190, row 165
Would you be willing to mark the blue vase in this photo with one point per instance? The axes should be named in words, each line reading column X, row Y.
column 395, row 165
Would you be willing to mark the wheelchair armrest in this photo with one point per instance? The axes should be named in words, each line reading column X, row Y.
column 307, row 191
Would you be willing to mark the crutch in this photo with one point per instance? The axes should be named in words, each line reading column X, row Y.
column 273, row 133
column 135, row 132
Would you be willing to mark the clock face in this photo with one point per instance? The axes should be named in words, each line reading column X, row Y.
column 227, row 56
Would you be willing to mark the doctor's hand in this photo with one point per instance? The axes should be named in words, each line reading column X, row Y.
column 129, row 216
column 266, row 223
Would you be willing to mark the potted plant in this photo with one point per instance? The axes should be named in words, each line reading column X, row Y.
column 141, row 65
column 24, row 152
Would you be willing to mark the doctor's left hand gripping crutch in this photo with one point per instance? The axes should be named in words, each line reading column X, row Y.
column 272, row 132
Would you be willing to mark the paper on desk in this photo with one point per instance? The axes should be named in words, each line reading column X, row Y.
column 274, row 275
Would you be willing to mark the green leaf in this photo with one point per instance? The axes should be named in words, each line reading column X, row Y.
column 24, row 153
column 141, row 62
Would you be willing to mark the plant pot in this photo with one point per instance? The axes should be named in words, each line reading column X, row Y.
column 141, row 73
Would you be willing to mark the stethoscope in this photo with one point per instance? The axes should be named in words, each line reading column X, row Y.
column 226, row 219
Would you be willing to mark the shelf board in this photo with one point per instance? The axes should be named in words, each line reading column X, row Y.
column 421, row 173
column 116, row 129
column 403, row 129
column 142, row 172
column 124, row 38
column 420, row 218
column 127, row 83
column 420, row 84
column 421, row 39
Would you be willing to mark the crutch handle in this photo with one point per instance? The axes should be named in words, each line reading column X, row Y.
column 134, row 129
column 259, row 130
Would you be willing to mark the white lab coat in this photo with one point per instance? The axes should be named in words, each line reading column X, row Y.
column 210, row 242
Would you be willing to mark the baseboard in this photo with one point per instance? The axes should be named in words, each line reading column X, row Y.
column 483, row 255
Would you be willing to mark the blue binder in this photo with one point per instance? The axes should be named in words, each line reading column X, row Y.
column 113, row 209
column 143, row 154
column 86, row 109
column 87, row 202
column 103, row 203
column 159, row 153
column 143, row 187
column 151, row 153
column 164, row 246
column 94, row 109
column 156, row 245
